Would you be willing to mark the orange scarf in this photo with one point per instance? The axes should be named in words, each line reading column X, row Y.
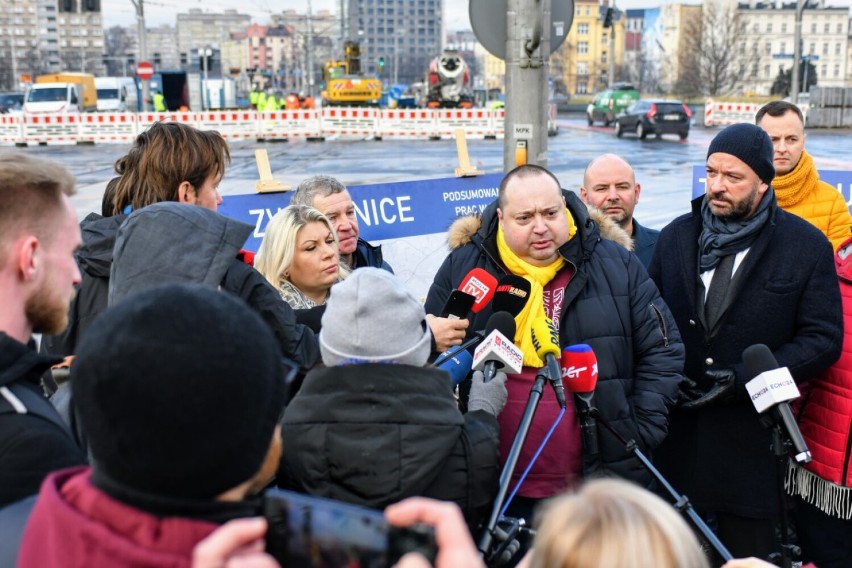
column 793, row 187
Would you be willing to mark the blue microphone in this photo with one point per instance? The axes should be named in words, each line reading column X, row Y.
column 458, row 366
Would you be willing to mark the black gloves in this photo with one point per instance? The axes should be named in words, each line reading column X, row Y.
column 722, row 392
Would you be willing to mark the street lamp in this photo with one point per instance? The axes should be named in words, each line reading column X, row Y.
column 797, row 52
column 399, row 33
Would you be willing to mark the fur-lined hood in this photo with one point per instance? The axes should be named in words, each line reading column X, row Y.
column 464, row 228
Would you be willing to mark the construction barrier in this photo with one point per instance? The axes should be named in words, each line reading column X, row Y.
column 723, row 113
column 418, row 123
column 108, row 127
column 11, row 129
column 476, row 122
column 347, row 122
column 350, row 122
column 51, row 128
column 231, row 124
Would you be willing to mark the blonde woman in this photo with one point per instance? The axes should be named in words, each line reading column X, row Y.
column 300, row 256
column 611, row 523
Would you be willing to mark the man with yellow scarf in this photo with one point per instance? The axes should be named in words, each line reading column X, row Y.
column 797, row 186
column 584, row 279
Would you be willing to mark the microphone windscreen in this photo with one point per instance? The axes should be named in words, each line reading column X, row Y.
column 458, row 366
column 481, row 285
column 511, row 294
column 758, row 359
column 502, row 322
column 544, row 338
column 579, row 368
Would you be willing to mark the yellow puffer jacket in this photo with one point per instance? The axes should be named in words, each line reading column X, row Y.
column 801, row 193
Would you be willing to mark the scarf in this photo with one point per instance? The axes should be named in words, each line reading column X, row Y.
column 720, row 237
column 794, row 186
column 538, row 277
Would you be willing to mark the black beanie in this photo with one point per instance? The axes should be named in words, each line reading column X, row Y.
column 179, row 390
column 750, row 144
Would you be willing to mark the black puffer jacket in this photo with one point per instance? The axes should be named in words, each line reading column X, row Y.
column 611, row 304
column 95, row 260
column 375, row 434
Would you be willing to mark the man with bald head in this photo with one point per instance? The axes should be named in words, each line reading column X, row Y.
column 610, row 185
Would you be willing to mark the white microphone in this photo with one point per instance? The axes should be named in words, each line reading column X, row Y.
column 770, row 390
column 497, row 351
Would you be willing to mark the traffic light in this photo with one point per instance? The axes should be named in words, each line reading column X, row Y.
column 381, row 62
column 608, row 18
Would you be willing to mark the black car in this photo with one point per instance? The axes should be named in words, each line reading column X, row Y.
column 11, row 101
column 654, row 116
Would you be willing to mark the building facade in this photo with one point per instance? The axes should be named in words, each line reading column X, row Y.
column 198, row 30
column 586, row 55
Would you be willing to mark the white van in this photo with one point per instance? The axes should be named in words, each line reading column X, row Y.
column 54, row 97
column 117, row 94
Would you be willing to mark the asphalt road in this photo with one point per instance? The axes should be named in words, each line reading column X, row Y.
column 663, row 166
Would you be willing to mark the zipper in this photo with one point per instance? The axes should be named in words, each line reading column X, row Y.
column 847, row 456
column 661, row 323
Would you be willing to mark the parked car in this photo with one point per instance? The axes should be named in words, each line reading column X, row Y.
column 609, row 102
column 654, row 116
column 11, row 102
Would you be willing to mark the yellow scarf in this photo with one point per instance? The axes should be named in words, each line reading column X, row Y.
column 538, row 277
column 793, row 187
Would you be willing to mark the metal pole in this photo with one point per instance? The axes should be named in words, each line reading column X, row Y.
column 797, row 52
column 143, row 48
column 396, row 59
column 309, row 52
column 527, row 47
column 205, row 100
column 612, row 48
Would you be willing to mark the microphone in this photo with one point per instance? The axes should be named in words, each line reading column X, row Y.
column 497, row 350
column 458, row 366
column 546, row 343
column 580, row 373
column 481, row 285
column 511, row 294
column 770, row 389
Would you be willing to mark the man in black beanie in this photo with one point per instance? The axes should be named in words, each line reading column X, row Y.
column 736, row 272
column 179, row 390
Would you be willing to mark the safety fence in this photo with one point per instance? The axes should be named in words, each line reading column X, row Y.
column 718, row 113
column 320, row 124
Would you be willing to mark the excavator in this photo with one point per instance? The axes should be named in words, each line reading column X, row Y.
column 346, row 85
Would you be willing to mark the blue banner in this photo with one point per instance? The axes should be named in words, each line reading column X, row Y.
column 841, row 179
column 384, row 211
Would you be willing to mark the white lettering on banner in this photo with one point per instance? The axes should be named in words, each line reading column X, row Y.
column 467, row 194
column 375, row 212
column 263, row 217
column 462, row 210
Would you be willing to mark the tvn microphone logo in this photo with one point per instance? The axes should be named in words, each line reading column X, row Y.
column 476, row 288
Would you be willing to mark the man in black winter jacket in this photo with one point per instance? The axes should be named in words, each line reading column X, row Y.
column 377, row 426
column 38, row 237
column 596, row 292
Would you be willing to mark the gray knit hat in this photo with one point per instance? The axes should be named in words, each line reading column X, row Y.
column 372, row 317
column 750, row 144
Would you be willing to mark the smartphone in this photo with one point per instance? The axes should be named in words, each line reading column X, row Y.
column 308, row 532
column 458, row 305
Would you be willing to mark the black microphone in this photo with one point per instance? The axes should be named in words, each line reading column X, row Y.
column 511, row 294
column 770, row 389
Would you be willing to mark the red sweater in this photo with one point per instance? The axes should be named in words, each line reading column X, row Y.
column 825, row 418
column 75, row 525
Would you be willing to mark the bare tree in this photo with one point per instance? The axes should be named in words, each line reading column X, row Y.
column 119, row 42
column 714, row 59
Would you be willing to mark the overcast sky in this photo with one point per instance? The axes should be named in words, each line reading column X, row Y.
column 121, row 12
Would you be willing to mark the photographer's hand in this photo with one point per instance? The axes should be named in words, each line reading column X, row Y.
column 236, row 544
column 455, row 546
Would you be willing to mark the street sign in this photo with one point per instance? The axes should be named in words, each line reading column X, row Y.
column 488, row 20
column 145, row 70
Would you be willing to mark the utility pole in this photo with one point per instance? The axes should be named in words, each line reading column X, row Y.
column 797, row 52
column 309, row 53
column 527, row 49
column 612, row 47
column 143, row 48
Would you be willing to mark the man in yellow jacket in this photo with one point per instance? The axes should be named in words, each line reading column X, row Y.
column 797, row 184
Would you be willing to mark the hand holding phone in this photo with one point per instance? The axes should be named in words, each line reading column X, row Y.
column 458, row 305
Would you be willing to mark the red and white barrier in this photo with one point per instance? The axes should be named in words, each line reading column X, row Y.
column 722, row 113
column 51, row 128
column 144, row 120
column 476, row 122
column 231, row 124
column 407, row 123
column 108, row 127
column 350, row 122
column 11, row 128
